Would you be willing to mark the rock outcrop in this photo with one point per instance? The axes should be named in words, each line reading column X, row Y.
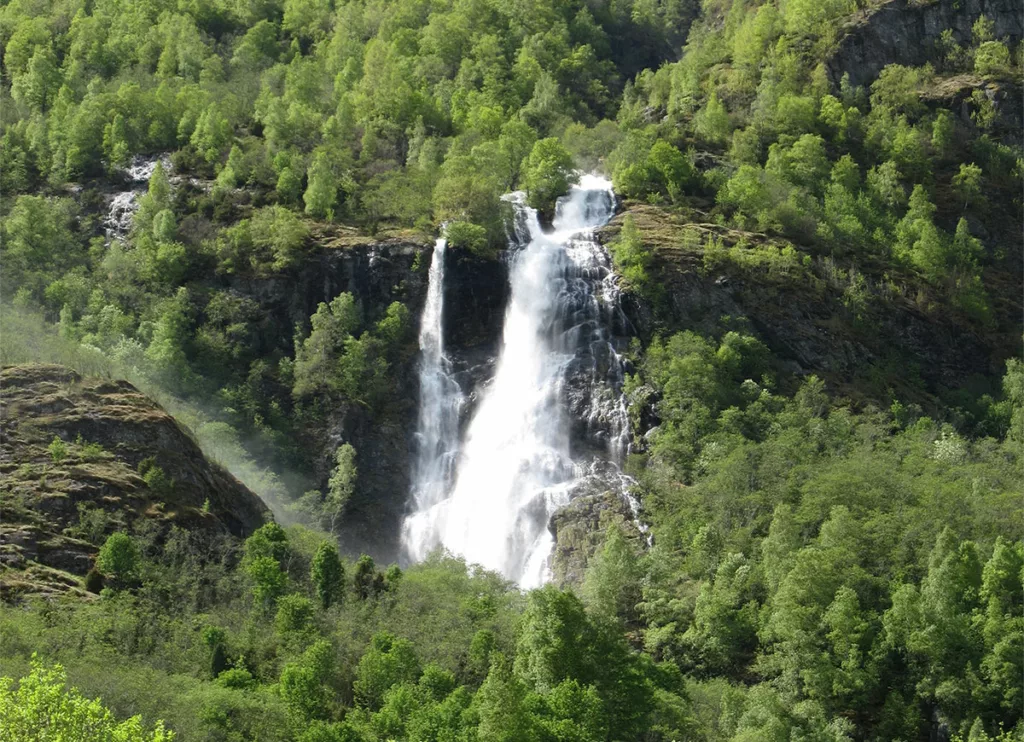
column 476, row 294
column 906, row 31
column 377, row 272
column 579, row 531
column 814, row 323
column 73, row 458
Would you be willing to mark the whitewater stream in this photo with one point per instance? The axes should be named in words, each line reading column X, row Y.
column 550, row 424
column 123, row 205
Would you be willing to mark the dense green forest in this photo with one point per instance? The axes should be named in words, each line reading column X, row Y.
column 823, row 563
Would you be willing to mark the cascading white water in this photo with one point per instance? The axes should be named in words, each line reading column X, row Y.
column 437, row 431
column 557, row 367
column 123, row 205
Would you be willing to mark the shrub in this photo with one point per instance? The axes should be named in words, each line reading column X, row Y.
column 158, row 482
column 43, row 707
column 294, row 614
column 94, row 581
column 992, row 57
column 546, row 173
column 91, row 451
column 388, row 662
column 237, row 678
column 119, row 557
column 93, row 523
column 632, row 257
column 468, row 236
column 268, row 580
column 58, row 450
column 366, row 577
column 327, row 575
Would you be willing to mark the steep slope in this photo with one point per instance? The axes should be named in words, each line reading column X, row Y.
column 906, row 32
column 868, row 330
column 81, row 458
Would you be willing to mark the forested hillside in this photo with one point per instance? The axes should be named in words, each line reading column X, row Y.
column 231, row 204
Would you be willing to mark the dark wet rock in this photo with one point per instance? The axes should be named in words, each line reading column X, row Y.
column 906, row 32
column 376, row 273
column 476, row 294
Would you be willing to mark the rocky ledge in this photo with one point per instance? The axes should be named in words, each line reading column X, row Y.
column 906, row 31
column 83, row 457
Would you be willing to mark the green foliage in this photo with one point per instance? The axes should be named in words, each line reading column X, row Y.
column 808, row 605
column 633, row 258
column 337, row 360
column 321, row 196
column 967, row 184
column 304, row 683
column 38, row 243
column 267, row 578
column 468, row 191
column 327, row 575
column 215, row 637
column 267, row 243
column 467, row 236
column 366, row 578
column 611, row 588
column 712, row 121
column 265, row 551
column 897, row 90
column 58, row 450
column 158, row 482
column 761, row 610
column 43, row 707
column 515, row 143
column 559, row 642
column 664, row 172
column 388, row 662
column 315, row 359
column 402, row 196
column 547, row 172
column 295, row 615
column 269, row 540
column 991, row 58
column 119, row 557
column 501, row 708
column 156, row 200
column 341, row 484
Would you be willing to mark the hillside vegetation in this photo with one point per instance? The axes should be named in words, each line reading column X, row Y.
column 823, row 266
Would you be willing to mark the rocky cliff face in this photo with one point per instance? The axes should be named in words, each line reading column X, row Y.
column 906, row 31
column 376, row 273
column 60, row 501
column 812, row 322
column 476, row 293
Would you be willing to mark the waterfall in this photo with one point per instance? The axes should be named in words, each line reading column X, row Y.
column 552, row 421
column 437, row 431
column 123, row 205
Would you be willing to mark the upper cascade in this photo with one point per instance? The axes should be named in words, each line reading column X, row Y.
column 552, row 421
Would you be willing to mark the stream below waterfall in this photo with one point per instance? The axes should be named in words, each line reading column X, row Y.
column 550, row 424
